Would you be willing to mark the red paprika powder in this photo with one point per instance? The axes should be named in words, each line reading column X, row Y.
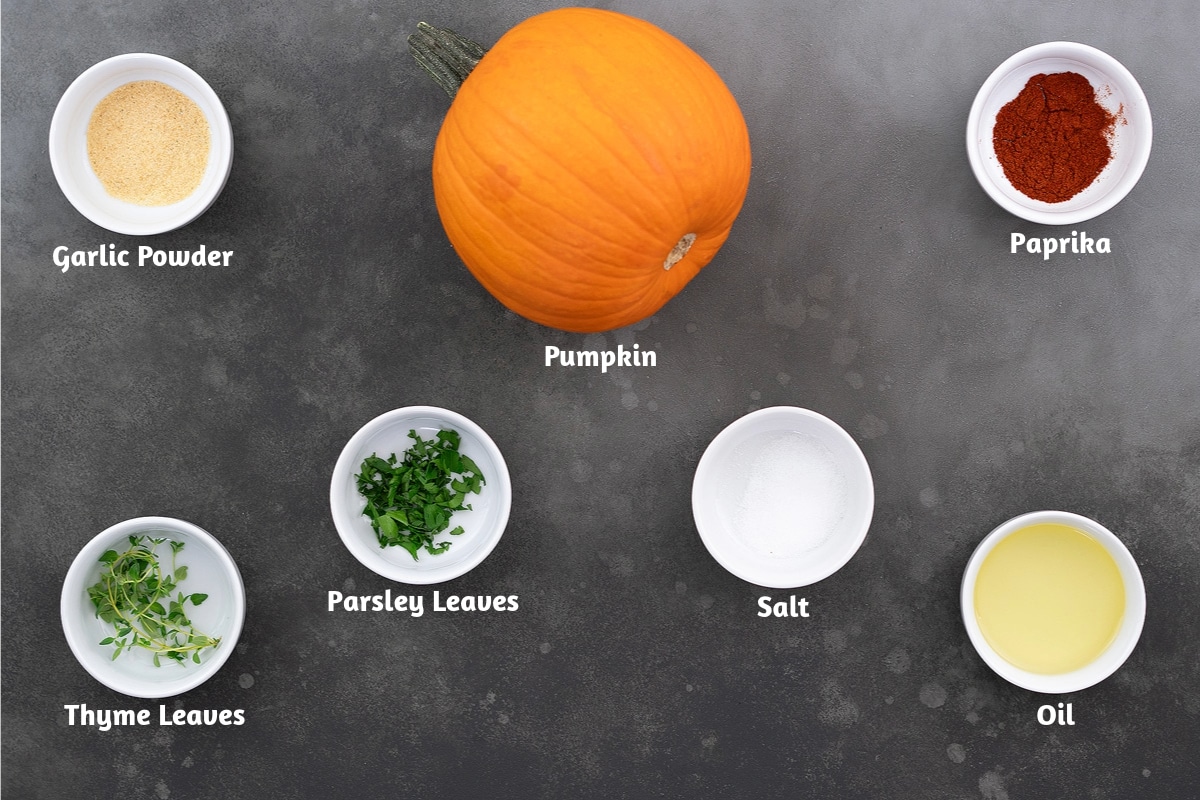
column 1053, row 139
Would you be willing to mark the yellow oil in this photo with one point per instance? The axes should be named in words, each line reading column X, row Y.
column 1049, row 598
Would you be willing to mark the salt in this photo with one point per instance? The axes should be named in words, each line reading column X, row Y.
column 785, row 493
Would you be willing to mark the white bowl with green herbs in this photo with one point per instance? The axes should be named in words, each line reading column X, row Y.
column 420, row 531
column 153, row 606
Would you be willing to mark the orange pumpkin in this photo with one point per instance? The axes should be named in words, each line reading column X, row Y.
column 590, row 165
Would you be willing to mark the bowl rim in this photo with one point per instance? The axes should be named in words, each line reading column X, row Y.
column 369, row 557
column 709, row 533
column 75, row 580
column 1138, row 115
column 1111, row 659
column 197, row 203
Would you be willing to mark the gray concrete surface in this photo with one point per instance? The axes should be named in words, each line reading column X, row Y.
column 867, row 278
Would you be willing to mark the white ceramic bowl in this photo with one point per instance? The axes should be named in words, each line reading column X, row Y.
column 1118, row 91
column 1112, row 658
column 483, row 525
column 211, row 571
column 723, row 485
column 68, row 145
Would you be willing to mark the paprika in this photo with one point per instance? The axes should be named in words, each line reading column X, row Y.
column 1053, row 139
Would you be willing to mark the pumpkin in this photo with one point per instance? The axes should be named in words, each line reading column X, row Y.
column 589, row 166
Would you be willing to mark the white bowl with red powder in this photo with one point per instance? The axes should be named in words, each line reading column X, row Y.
column 1129, row 138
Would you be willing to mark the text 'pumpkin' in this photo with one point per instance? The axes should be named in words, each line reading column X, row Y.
column 590, row 165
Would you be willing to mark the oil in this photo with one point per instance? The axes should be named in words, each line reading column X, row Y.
column 1049, row 598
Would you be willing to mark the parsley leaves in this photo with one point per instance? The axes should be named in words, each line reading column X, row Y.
column 410, row 501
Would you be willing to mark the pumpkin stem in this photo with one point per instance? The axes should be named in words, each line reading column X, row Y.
column 445, row 55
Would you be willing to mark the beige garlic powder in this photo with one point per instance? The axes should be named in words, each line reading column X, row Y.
column 148, row 144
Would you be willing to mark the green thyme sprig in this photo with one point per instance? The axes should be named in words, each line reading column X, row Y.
column 134, row 596
column 410, row 501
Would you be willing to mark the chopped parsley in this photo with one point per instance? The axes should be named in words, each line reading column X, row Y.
column 411, row 500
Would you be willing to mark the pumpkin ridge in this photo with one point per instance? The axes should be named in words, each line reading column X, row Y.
column 621, row 156
column 510, row 221
column 577, row 25
column 582, row 33
column 514, row 285
column 499, row 277
column 636, row 266
column 702, row 73
column 564, row 169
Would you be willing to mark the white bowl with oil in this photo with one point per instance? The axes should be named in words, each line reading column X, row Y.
column 69, row 151
column 1063, row 609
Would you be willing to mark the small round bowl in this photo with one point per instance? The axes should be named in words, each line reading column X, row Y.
column 482, row 526
column 68, row 145
column 1116, row 89
column 724, row 484
column 1111, row 659
column 210, row 571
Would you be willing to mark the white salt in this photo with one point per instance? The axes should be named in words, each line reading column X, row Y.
column 785, row 493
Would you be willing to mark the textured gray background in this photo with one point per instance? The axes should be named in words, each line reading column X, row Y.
column 867, row 278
